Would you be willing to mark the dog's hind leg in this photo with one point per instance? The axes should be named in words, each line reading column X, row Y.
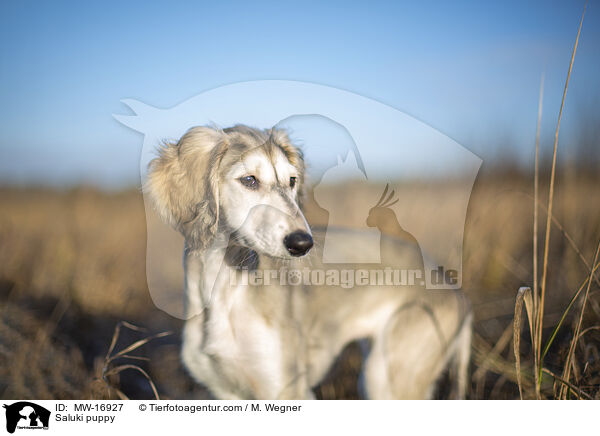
column 407, row 356
column 462, row 358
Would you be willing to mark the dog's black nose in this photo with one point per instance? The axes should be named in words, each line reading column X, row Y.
column 298, row 243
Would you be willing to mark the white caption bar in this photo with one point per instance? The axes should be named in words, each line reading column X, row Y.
column 297, row 417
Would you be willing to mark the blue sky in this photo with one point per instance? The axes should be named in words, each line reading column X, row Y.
column 469, row 69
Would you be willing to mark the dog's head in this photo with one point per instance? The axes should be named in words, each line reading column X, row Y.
column 241, row 181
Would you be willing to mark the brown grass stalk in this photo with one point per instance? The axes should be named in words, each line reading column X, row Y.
column 523, row 296
column 540, row 309
column 536, row 195
column 565, row 383
column 571, row 242
column 536, row 183
column 566, row 311
column 567, row 369
column 108, row 370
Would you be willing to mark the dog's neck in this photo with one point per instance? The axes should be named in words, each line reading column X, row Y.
column 208, row 270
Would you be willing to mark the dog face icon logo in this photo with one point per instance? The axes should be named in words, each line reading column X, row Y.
column 26, row 415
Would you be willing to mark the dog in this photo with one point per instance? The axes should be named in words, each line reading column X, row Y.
column 236, row 195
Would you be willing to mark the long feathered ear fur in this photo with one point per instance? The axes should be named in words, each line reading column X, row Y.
column 183, row 183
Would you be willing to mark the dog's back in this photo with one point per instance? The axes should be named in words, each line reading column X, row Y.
column 415, row 333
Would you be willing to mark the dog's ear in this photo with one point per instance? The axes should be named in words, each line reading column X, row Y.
column 183, row 183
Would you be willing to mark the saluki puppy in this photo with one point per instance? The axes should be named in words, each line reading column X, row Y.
column 235, row 195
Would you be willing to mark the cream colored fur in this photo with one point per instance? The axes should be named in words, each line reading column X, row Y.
column 274, row 341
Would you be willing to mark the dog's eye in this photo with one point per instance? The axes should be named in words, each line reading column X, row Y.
column 292, row 182
column 249, row 182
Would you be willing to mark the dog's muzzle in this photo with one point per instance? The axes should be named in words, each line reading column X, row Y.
column 298, row 243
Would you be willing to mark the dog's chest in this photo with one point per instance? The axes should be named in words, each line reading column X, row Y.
column 246, row 343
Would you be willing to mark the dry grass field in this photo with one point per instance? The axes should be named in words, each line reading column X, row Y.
column 72, row 269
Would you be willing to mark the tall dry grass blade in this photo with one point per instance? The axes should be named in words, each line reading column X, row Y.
column 566, row 311
column 571, row 242
column 137, row 345
column 120, row 368
column 110, row 357
column 579, row 393
column 590, row 329
column 495, row 353
column 540, row 311
column 498, row 365
column 129, row 356
column 536, row 183
column 536, row 196
column 116, row 334
column 524, row 295
column 567, row 369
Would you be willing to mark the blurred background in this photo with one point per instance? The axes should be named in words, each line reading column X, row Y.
column 72, row 221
